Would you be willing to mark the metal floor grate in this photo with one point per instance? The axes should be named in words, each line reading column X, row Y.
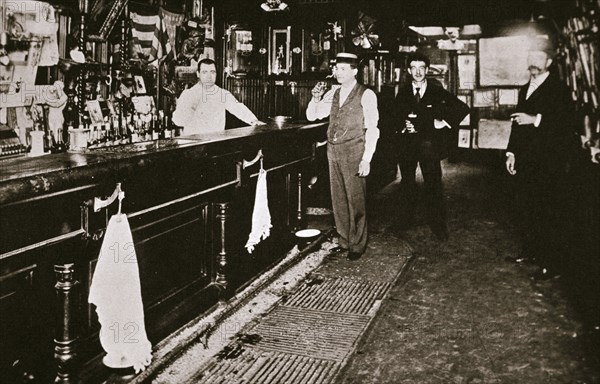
column 340, row 295
column 304, row 340
column 307, row 332
column 255, row 366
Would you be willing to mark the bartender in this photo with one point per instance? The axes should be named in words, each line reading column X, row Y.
column 201, row 109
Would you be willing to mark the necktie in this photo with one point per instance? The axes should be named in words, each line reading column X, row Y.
column 418, row 95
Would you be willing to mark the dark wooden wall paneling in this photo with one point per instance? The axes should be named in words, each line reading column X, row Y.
column 273, row 97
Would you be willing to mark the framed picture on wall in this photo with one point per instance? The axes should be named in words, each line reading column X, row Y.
column 508, row 96
column 484, row 98
column 467, row 71
column 280, row 60
column 317, row 51
column 95, row 111
column 140, row 85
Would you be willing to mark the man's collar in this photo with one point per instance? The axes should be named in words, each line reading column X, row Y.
column 540, row 78
column 421, row 86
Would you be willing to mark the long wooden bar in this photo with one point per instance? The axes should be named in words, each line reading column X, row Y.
column 189, row 202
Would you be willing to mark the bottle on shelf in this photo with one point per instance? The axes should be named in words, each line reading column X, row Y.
column 167, row 127
column 132, row 128
column 154, row 128
column 92, row 136
column 59, row 145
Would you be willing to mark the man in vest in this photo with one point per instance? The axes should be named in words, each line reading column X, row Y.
column 352, row 137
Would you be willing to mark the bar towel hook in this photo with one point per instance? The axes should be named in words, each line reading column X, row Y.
column 99, row 203
column 259, row 156
column 121, row 196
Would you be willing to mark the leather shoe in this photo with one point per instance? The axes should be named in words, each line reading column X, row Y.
column 543, row 274
column 354, row 255
column 336, row 250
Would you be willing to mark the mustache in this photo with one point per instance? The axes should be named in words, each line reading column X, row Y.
column 531, row 67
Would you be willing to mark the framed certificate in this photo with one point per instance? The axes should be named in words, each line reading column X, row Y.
column 95, row 111
column 280, row 58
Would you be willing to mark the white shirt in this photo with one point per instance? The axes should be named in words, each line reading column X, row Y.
column 201, row 110
column 321, row 109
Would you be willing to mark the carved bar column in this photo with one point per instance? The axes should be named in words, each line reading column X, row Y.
column 65, row 334
column 123, row 64
column 221, row 276
column 123, row 47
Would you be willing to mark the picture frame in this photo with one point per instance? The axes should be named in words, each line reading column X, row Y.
column 464, row 138
column 484, row 98
column 280, row 60
column 95, row 111
column 467, row 71
column 508, row 96
column 317, row 52
column 140, row 85
column 503, row 61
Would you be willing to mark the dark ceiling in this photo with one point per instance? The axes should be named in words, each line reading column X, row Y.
column 421, row 12
column 460, row 12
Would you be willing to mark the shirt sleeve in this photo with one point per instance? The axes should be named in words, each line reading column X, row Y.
column 320, row 109
column 371, row 115
column 238, row 109
column 185, row 109
column 538, row 120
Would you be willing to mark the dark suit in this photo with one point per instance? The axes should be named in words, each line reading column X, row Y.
column 542, row 155
column 427, row 147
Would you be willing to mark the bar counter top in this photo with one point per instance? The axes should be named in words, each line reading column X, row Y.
column 24, row 177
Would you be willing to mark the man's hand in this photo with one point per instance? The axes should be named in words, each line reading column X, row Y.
column 364, row 168
column 523, row 118
column 319, row 90
column 510, row 164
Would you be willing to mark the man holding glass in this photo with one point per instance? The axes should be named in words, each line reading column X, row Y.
column 424, row 111
column 351, row 140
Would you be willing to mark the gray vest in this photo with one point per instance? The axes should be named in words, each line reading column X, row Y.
column 348, row 121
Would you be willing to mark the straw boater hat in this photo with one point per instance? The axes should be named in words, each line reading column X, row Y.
column 348, row 58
